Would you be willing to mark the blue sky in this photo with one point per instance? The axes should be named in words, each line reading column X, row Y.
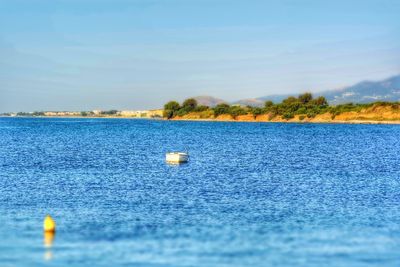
column 138, row 54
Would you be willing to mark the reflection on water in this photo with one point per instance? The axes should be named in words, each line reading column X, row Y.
column 48, row 239
column 170, row 163
column 48, row 255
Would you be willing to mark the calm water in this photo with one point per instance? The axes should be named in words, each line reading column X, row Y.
column 252, row 195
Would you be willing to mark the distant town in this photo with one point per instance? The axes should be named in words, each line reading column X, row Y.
column 155, row 113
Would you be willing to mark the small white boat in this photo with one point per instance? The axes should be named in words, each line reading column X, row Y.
column 177, row 157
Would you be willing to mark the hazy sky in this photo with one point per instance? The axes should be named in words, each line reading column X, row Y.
column 138, row 54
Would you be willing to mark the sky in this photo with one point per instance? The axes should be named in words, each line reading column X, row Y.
column 139, row 54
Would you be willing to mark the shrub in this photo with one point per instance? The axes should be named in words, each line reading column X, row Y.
column 256, row 111
column 311, row 114
column 290, row 100
column 181, row 112
column 288, row 115
column 302, row 110
column 206, row 114
column 320, row 101
column 235, row 111
column 221, row 109
column 336, row 110
column 305, row 98
column 291, row 107
column 201, row 108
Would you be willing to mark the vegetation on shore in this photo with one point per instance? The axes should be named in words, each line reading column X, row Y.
column 304, row 106
column 294, row 109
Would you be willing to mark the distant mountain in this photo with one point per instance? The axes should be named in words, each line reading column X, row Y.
column 363, row 92
column 254, row 102
column 276, row 98
column 208, row 100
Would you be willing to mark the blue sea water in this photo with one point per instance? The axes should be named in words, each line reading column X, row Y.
column 253, row 194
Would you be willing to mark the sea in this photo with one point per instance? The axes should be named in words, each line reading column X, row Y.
column 252, row 194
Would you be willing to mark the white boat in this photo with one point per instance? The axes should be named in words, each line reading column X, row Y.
column 177, row 157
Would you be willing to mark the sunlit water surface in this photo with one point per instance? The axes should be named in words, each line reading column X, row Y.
column 252, row 194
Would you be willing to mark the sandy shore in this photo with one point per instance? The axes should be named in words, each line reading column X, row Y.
column 295, row 121
column 371, row 115
column 243, row 118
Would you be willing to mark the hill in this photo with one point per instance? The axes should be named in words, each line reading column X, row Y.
column 363, row 92
column 387, row 90
column 208, row 101
column 304, row 108
column 366, row 92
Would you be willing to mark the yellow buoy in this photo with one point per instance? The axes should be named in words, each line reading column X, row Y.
column 49, row 225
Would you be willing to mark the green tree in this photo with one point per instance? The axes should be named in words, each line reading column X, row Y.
column 170, row 109
column 301, row 110
column 268, row 104
column 288, row 115
column 172, row 105
column 305, row 98
column 320, row 101
column 256, row 111
column 181, row 112
column 290, row 100
column 235, row 111
column 221, row 109
column 189, row 104
column 201, row 108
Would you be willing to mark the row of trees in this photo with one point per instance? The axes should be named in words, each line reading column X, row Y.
column 305, row 105
column 173, row 108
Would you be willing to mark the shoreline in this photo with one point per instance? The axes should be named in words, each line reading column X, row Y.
column 376, row 114
column 387, row 122
column 395, row 122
